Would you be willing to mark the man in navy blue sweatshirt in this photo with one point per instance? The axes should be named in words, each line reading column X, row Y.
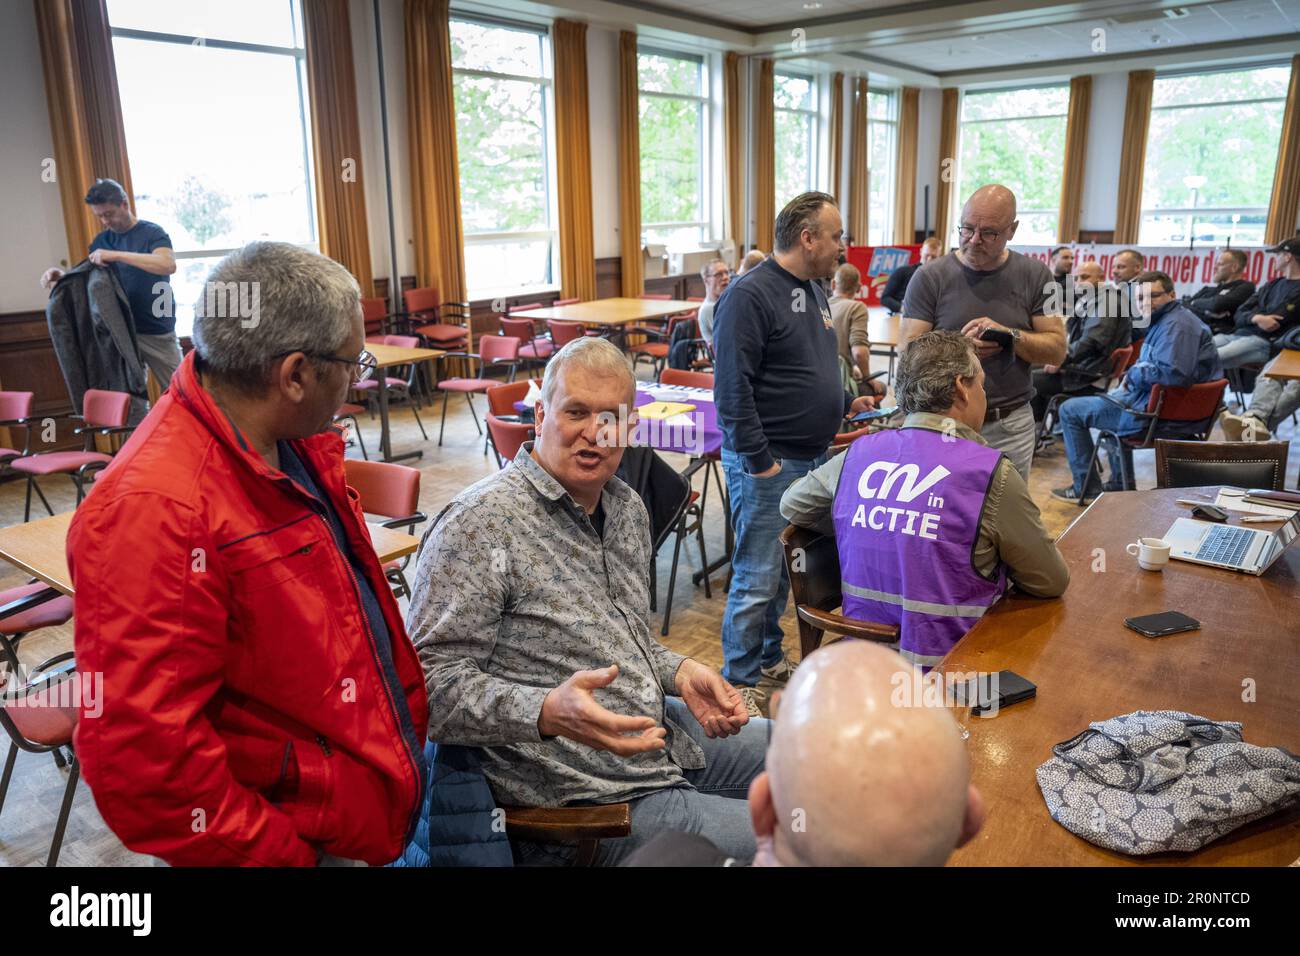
column 780, row 402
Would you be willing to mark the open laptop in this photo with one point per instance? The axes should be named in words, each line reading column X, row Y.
column 1240, row 548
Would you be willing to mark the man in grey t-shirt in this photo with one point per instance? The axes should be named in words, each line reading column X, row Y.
column 982, row 286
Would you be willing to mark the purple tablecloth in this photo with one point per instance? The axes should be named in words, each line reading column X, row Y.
column 703, row 438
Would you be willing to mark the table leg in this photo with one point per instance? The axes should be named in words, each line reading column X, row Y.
column 384, row 443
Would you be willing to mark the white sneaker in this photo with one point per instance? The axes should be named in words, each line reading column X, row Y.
column 751, row 698
column 1245, row 427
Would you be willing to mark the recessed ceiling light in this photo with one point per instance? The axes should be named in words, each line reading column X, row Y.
column 812, row 6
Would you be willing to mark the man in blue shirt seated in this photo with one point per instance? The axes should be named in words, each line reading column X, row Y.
column 140, row 253
column 1177, row 350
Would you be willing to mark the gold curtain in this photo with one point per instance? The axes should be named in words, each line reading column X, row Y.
column 336, row 138
column 837, row 137
column 1076, row 148
column 859, row 173
column 765, row 157
column 431, row 128
column 735, row 153
column 905, row 166
column 573, row 160
column 85, row 110
column 629, row 165
column 1285, row 201
column 947, row 166
column 1132, row 156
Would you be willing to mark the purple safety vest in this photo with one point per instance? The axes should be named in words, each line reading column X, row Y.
column 907, row 515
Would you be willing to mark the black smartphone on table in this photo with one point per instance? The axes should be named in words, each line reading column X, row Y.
column 1162, row 624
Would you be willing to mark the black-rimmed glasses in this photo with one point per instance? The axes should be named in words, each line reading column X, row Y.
column 363, row 366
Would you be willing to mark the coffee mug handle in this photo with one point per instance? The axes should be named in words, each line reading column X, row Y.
column 1134, row 548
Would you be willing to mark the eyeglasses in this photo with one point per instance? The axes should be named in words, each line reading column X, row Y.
column 988, row 235
column 363, row 366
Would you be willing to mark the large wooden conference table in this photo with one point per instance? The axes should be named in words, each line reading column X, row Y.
column 40, row 548
column 1088, row 667
column 1286, row 366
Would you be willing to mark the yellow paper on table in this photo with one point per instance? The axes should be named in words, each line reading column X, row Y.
column 658, row 410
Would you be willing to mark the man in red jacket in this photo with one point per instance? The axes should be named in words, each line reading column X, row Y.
column 262, row 703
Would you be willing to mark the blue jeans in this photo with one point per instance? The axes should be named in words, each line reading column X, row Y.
column 713, row 806
column 751, row 626
column 1078, row 415
column 1241, row 348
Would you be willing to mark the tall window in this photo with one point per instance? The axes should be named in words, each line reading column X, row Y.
column 504, row 139
column 1211, row 152
column 882, row 133
column 214, row 104
column 675, row 140
column 1016, row 137
column 795, row 102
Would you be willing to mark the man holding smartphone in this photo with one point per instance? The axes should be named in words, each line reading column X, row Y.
column 998, row 299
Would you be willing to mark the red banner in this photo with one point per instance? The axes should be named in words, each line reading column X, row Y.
column 877, row 264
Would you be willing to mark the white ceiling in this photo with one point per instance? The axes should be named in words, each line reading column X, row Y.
column 1233, row 20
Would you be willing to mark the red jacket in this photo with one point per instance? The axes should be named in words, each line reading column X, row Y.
column 246, row 718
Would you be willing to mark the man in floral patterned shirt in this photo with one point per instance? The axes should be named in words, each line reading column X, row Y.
column 530, row 612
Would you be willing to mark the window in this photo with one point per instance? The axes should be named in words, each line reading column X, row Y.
column 675, row 138
column 882, row 134
column 214, row 104
column 795, row 102
column 504, row 139
column 1211, row 152
column 1016, row 137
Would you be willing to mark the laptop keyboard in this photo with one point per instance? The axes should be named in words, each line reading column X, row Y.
column 1225, row 545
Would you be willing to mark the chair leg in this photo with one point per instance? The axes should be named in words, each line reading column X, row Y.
column 9, row 649
column 1094, row 467
column 74, row 773
column 9, row 772
column 423, row 434
column 704, row 558
column 27, row 510
column 443, row 426
column 40, row 494
column 469, row 400
column 80, row 490
column 672, row 575
column 356, row 430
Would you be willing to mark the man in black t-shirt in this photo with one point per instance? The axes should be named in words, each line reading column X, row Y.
column 1217, row 304
column 140, row 254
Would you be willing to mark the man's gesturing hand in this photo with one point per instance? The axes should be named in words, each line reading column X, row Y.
column 571, row 711
column 714, row 703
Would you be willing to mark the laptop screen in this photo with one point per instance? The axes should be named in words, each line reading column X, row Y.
column 1278, row 541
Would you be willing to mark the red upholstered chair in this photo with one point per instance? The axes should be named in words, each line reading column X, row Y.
column 402, row 380
column 350, row 411
column 507, row 437
column 102, row 413
column 40, row 716
column 393, row 492
column 562, row 333
column 15, row 412
column 1187, row 413
column 25, row 609
column 535, row 349
column 494, row 351
column 443, row 325
column 676, row 376
column 524, row 307
column 657, row 344
column 560, row 302
column 501, row 398
column 375, row 315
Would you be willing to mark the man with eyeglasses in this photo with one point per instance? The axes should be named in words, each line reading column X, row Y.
column 1177, row 350
column 262, row 704
column 716, row 276
column 999, row 299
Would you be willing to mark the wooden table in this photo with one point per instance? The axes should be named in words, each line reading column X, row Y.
column 387, row 356
column 1088, row 667
column 884, row 331
column 609, row 312
column 40, row 548
column 1286, row 366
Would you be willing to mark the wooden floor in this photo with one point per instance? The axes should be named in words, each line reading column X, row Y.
column 27, row 820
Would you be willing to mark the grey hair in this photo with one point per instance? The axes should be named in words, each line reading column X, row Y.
column 929, row 369
column 596, row 355
column 708, row 267
column 269, row 299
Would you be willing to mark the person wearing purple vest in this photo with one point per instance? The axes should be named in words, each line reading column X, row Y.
column 930, row 522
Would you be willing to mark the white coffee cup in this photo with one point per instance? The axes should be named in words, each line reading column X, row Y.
column 1152, row 553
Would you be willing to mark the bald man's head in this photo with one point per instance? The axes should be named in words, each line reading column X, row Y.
column 988, row 223
column 853, row 779
column 1089, row 271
